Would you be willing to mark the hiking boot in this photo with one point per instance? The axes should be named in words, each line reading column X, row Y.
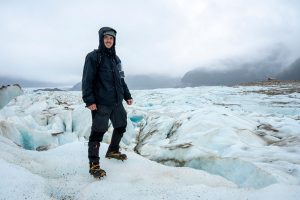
column 116, row 155
column 96, row 171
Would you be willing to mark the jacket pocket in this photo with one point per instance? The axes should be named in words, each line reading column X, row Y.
column 100, row 121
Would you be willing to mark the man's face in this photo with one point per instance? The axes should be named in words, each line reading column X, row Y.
column 108, row 41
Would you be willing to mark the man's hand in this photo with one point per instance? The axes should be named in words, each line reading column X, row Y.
column 92, row 107
column 129, row 101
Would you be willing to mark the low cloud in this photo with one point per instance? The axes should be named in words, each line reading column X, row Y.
column 49, row 40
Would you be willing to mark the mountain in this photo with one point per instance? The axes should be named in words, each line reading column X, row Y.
column 139, row 82
column 233, row 72
column 25, row 83
column 76, row 87
column 292, row 72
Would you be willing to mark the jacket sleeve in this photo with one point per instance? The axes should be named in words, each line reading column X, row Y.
column 127, row 94
column 88, row 77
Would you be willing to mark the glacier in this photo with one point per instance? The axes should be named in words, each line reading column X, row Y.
column 9, row 92
column 243, row 137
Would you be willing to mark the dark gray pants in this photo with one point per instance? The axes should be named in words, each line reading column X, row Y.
column 100, row 118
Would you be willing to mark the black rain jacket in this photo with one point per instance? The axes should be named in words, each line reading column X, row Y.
column 103, row 79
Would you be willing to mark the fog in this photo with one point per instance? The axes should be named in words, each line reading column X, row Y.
column 48, row 40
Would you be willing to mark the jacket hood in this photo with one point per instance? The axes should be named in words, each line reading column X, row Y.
column 101, row 46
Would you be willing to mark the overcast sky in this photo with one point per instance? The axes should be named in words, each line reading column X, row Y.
column 48, row 40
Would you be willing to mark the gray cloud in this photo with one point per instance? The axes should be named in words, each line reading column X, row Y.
column 48, row 40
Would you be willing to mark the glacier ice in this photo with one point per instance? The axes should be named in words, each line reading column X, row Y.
column 233, row 132
column 9, row 92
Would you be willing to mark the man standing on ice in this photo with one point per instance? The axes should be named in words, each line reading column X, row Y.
column 103, row 90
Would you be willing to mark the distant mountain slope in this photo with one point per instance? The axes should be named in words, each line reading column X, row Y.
column 151, row 81
column 76, row 87
column 292, row 72
column 25, row 83
column 234, row 72
column 138, row 82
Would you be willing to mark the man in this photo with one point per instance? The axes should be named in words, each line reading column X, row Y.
column 103, row 90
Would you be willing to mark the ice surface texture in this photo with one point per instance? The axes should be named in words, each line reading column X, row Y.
column 9, row 92
column 248, row 137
